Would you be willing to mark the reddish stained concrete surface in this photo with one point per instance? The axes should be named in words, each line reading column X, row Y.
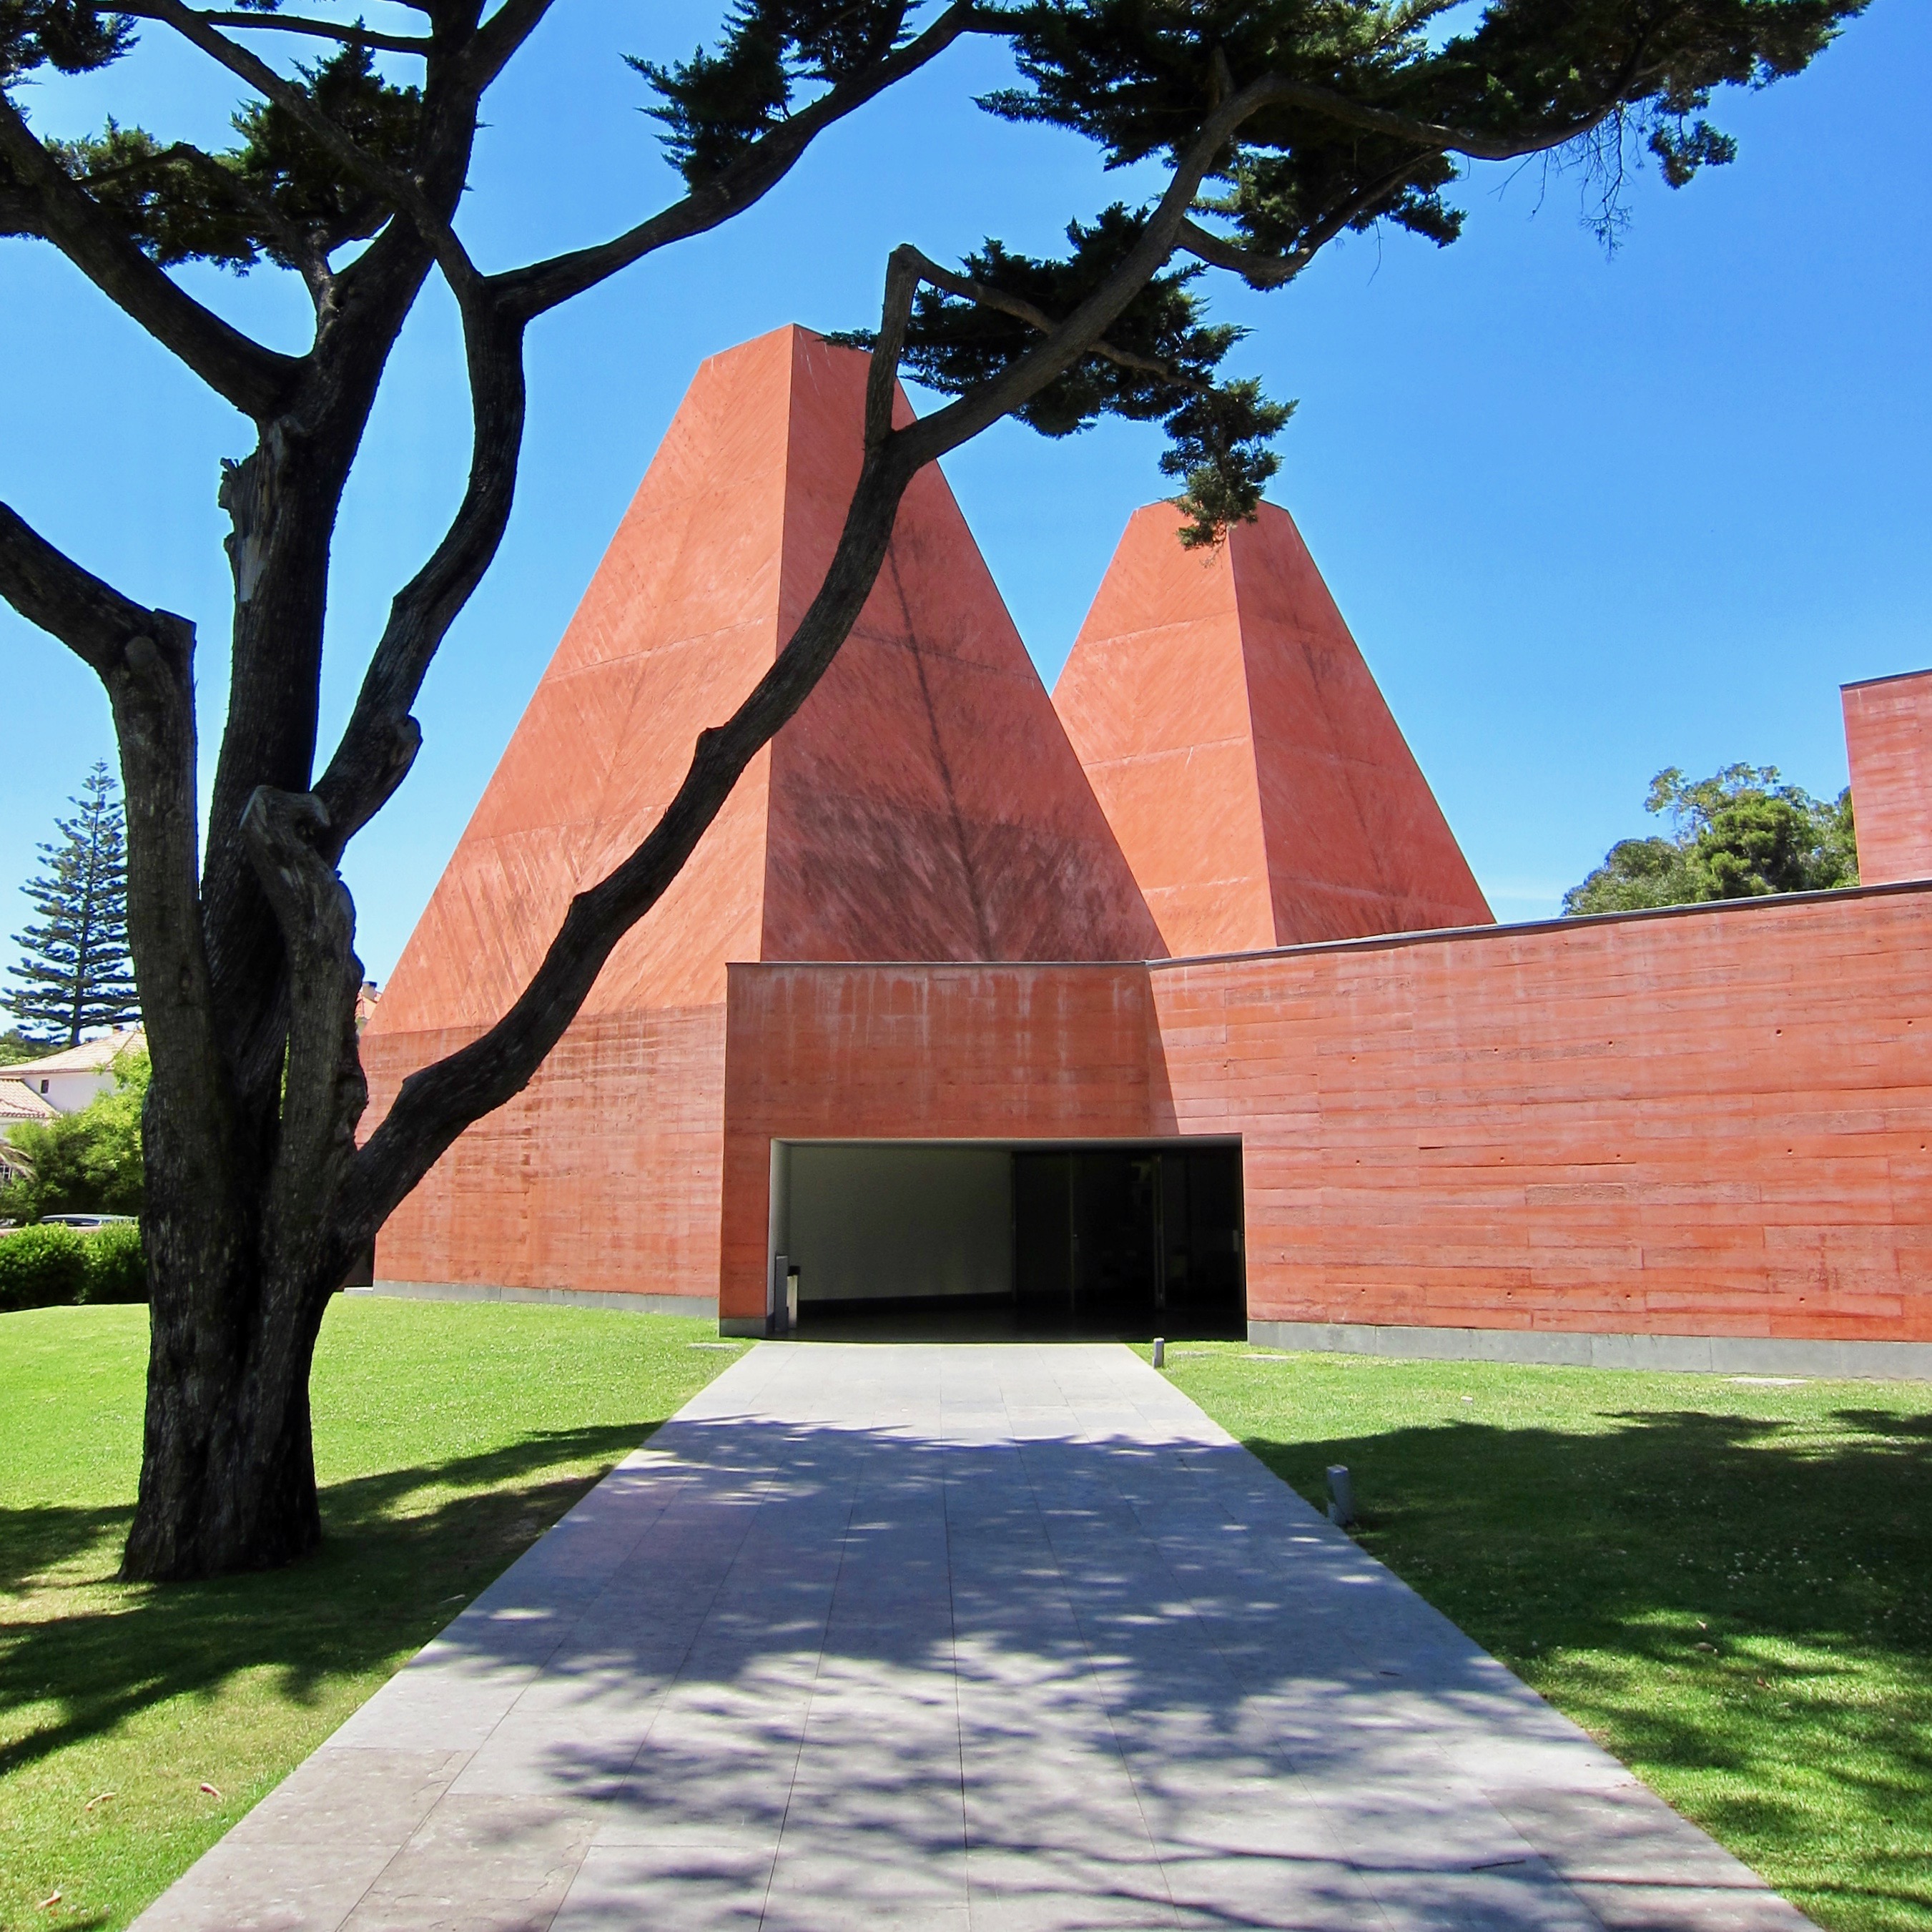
column 924, row 804
column 1258, row 783
column 1888, row 738
column 1712, row 1122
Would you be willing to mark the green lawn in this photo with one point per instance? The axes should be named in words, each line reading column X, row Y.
column 448, row 1435
column 1725, row 1581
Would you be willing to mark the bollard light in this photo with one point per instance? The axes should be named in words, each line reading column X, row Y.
column 1160, row 1352
column 1341, row 1496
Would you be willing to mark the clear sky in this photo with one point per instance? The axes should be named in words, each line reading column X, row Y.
column 1587, row 517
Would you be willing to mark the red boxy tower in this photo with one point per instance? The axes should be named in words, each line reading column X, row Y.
column 924, row 804
column 1889, row 744
column 1260, row 789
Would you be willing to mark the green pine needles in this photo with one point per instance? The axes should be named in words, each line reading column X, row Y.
column 76, row 977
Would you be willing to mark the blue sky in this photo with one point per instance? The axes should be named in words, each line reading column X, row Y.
column 1587, row 517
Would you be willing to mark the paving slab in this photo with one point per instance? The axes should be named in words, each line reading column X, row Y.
column 963, row 1638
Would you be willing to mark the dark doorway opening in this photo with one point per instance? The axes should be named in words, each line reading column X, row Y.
column 898, row 1241
column 1139, row 1240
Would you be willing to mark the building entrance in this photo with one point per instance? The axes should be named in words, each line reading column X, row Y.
column 1130, row 1241
column 1140, row 1238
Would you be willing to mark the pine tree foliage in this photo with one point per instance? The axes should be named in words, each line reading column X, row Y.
column 76, row 977
column 1378, row 103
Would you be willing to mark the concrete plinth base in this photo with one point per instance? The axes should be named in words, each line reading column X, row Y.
column 703, row 1307
column 1706, row 1354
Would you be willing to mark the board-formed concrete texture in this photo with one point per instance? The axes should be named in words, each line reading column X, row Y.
column 1715, row 1122
column 970, row 1638
column 1703, row 1126
column 1260, row 789
column 1889, row 744
column 924, row 804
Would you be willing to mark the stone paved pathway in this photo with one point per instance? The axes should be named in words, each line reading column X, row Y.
column 964, row 1638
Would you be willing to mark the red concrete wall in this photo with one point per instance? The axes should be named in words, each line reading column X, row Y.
column 905, row 1052
column 924, row 804
column 1261, row 791
column 602, row 1174
column 1716, row 1122
column 1888, row 737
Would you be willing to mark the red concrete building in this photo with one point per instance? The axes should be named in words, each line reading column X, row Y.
column 1168, row 1001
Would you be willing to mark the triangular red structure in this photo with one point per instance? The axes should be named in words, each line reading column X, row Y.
column 924, row 804
column 1246, row 759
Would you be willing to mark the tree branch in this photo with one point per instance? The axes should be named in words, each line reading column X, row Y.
column 296, row 23
column 931, row 436
column 402, row 193
column 541, row 286
column 256, row 380
column 494, row 44
column 51, row 591
column 145, row 659
column 902, row 279
column 1258, row 272
column 437, row 1102
column 1036, row 318
column 1271, row 271
column 381, row 739
column 1432, row 135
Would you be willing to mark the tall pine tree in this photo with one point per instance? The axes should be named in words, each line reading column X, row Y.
column 76, row 974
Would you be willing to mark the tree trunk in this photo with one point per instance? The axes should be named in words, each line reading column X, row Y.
column 228, row 1466
column 243, row 1258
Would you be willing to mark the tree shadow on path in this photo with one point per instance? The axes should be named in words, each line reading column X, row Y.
column 390, row 1573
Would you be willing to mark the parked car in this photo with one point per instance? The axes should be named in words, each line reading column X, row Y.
column 83, row 1220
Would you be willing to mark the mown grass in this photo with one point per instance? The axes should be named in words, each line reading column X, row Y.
column 448, row 1437
column 1725, row 1581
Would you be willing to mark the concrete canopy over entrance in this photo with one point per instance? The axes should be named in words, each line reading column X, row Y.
column 1096, row 1238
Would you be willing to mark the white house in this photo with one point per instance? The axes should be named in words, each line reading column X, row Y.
column 67, row 1080
column 18, row 1102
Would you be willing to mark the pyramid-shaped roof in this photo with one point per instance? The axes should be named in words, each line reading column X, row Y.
column 924, row 804
column 1261, row 791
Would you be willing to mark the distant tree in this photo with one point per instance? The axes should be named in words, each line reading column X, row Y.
column 1258, row 131
column 15, row 1047
column 78, row 977
column 88, row 1162
column 1739, row 834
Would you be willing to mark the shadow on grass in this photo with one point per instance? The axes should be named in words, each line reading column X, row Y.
column 1733, row 1598
column 386, row 1579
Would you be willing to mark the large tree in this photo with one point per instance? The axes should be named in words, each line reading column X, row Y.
column 74, row 973
column 1279, row 125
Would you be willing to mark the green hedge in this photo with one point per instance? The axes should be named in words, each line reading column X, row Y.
column 117, row 1268
column 49, row 1266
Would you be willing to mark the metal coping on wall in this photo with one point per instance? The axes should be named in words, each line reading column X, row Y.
column 1890, row 677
